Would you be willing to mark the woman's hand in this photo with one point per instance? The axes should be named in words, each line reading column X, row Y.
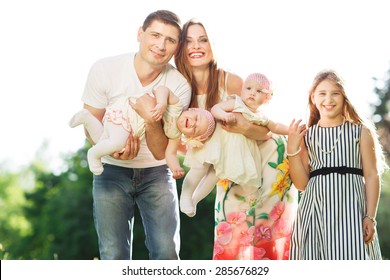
column 246, row 128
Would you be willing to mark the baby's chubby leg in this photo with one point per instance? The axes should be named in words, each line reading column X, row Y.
column 113, row 140
column 205, row 186
column 191, row 181
column 93, row 126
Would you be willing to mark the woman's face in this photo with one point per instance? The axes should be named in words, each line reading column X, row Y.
column 198, row 51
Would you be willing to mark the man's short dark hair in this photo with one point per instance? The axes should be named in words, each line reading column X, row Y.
column 164, row 16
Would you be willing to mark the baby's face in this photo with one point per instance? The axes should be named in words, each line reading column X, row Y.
column 252, row 95
column 192, row 123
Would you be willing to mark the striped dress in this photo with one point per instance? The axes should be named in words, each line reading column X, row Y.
column 329, row 222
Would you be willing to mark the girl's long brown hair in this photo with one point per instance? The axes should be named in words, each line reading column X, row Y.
column 182, row 64
column 349, row 111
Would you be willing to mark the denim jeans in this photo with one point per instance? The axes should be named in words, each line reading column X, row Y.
column 116, row 193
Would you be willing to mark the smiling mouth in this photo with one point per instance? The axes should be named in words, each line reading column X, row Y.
column 159, row 54
column 328, row 107
column 196, row 55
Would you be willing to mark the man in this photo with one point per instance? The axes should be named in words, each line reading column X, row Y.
column 140, row 175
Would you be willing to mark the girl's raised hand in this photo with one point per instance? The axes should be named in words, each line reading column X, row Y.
column 296, row 132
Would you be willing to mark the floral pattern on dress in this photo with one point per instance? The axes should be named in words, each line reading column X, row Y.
column 256, row 223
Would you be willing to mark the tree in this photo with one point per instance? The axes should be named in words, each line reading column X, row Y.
column 13, row 223
column 382, row 111
column 59, row 210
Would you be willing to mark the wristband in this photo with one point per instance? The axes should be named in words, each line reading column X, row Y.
column 370, row 218
column 294, row 154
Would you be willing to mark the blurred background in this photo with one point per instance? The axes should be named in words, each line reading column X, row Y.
column 48, row 215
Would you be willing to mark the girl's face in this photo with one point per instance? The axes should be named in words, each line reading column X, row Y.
column 198, row 51
column 253, row 96
column 329, row 101
column 192, row 123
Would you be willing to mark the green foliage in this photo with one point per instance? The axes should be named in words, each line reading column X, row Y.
column 12, row 220
column 383, row 217
column 59, row 211
column 382, row 111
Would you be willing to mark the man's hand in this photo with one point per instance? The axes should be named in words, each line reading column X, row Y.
column 144, row 106
column 131, row 149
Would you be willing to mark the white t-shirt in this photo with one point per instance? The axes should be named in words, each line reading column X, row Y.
column 112, row 77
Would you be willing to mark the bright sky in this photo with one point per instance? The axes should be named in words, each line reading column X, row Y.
column 48, row 46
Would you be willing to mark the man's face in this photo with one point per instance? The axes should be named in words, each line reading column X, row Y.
column 158, row 43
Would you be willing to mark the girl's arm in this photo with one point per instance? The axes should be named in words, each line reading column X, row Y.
column 298, row 159
column 172, row 159
column 372, row 182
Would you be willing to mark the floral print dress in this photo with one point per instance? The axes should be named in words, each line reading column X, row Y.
column 254, row 223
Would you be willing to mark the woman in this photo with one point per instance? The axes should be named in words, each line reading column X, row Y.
column 250, row 222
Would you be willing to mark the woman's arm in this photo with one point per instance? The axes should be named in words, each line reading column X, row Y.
column 248, row 129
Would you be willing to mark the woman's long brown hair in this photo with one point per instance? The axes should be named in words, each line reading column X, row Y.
column 182, row 64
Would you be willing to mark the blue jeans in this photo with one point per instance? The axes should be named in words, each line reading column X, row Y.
column 116, row 192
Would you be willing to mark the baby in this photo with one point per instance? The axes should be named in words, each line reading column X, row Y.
column 228, row 155
column 121, row 119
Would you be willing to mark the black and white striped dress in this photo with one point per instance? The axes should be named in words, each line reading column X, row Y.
column 329, row 222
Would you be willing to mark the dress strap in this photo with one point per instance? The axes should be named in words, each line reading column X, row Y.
column 226, row 79
column 341, row 170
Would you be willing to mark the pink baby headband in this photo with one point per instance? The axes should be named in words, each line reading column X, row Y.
column 211, row 124
column 262, row 80
column 197, row 142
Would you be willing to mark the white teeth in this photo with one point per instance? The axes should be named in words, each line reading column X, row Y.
column 196, row 55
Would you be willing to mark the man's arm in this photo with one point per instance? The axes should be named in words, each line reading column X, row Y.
column 154, row 133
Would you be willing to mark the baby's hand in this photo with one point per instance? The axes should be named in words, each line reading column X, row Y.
column 178, row 173
column 158, row 111
column 230, row 119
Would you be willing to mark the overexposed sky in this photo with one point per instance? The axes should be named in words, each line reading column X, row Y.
column 48, row 46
